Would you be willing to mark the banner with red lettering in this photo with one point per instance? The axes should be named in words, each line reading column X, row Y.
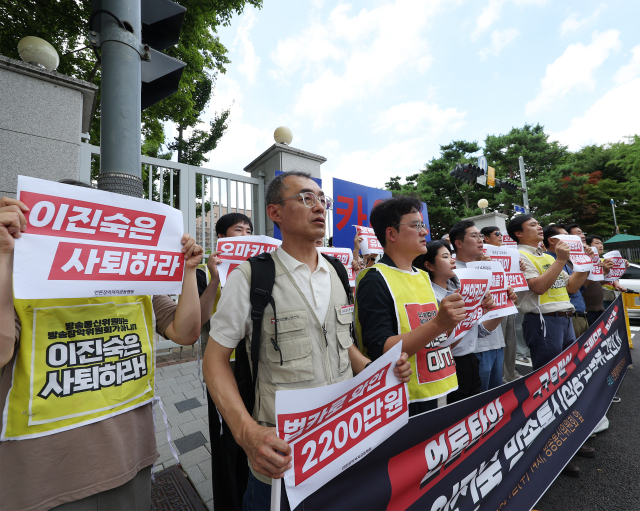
column 509, row 258
column 370, row 243
column 619, row 266
column 499, row 450
column 508, row 241
column 581, row 261
column 82, row 242
column 474, row 284
column 597, row 271
column 331, row 428
column 503, row 305
column 236, row 250
column 345, row 256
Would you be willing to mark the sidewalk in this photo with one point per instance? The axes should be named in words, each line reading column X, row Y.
column 179, row 388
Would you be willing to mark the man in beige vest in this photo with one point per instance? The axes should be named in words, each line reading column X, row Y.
column 314, row 345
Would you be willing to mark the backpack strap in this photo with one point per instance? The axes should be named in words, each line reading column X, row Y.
column 344, row 278
column 263, row 277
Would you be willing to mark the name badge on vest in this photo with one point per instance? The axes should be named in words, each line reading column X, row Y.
column 347, row 309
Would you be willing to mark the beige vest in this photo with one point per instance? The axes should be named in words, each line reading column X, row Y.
column 308, row 356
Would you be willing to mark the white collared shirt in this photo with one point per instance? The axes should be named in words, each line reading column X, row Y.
column 232, row 321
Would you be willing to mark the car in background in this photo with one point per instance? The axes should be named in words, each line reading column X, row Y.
column 631, row 280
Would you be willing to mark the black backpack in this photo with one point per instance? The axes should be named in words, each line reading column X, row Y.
column 229, row 462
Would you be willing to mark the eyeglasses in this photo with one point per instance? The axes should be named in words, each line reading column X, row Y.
column 417, row 226
column 309, row 199
column 477, row 236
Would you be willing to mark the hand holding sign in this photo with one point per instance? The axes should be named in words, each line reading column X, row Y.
column 503, row 295
column 619, row 265
column 474, row 285
column 582, row 262
column 369, row 243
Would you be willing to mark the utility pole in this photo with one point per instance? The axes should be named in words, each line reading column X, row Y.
column 523, row 180
column 134, row 76
column 615, row 222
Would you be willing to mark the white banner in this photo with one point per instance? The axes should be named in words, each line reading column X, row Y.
column 236, row 250
column 619, row 267
column 597, row 272
column 507, row 241
column 474, row 284
column 82, row 242
column 509, row 258
column 581, row 261
column 345, row 256
column 370, row 244
column 504, row 306
column 331, row 428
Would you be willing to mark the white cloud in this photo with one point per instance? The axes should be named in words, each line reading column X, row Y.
column 489, row 15
column 350, row 57
column 631, row 70
column 573, row 70
column 499, row 39
column 572, row 23
column 418, row 117
column 250, row 63
column 599, row 125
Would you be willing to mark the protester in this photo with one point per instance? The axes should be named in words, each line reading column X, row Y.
column 579, row 318
column 468, row 243
column 440, row 265
column 574, row 230
column 395, row 302
column 546, row 306
column 492, row 235
column 361, row 262
column 594, row 295
column 227, row 226
column 314, row 346
column 108, row 461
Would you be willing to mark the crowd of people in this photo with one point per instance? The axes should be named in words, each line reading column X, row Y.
column 311, row 333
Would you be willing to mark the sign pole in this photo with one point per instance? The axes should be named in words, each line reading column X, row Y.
column 615, row 222
column 523, row 180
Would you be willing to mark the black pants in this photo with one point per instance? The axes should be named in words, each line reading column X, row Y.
column 468, row 372
column 592, row 316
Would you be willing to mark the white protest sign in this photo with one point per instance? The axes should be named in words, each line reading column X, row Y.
column 619, row 267
column 581, row 261
column 597, row 272
column 503, row 305
column 508, row 241
column 370, row 244
column 331, row 428
column 509, row 258
column 236, row 250
column 345, row 256
column 82, row 243
column 474, row 284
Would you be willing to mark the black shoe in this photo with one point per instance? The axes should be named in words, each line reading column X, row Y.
column 586, row 452
column 571, row 470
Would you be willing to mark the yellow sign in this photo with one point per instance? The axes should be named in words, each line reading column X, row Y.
column 79, row 361
column 491, row 176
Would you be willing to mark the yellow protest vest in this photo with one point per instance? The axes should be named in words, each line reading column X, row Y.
column 557, row 292
column 79, row 361
column 434, row 370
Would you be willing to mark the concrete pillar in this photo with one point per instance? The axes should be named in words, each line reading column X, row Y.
column 490, row 219
column 284, row 158
column 43, row 115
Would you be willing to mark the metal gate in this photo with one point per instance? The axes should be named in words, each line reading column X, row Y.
column 203, row 195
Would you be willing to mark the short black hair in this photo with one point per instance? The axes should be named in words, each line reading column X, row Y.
column 550, row 231
column 389, row 213
column 486, row 231
column 516, row 225
column 458, row 231
column 433, row 247
column 276, row 187
column 229, row 220
column 589, row 239
column 571, row 226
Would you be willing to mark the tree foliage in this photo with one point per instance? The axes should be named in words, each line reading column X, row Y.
column 563, row 186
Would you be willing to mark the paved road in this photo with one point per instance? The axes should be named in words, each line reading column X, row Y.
column 610, row 480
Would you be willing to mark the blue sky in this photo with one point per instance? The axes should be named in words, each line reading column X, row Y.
column 377, row 86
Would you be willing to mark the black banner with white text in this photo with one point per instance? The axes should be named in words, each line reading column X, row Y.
column 498, row 450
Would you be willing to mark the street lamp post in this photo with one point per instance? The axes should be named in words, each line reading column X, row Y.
column 615, row 222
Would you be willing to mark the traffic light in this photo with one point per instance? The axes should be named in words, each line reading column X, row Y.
column 500, row 183
column 161, row 21
column 466, row 172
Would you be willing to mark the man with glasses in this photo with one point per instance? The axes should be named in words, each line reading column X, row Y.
column 467, row 242
column 313, row 346
column 395, row 302
column 492, row 235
